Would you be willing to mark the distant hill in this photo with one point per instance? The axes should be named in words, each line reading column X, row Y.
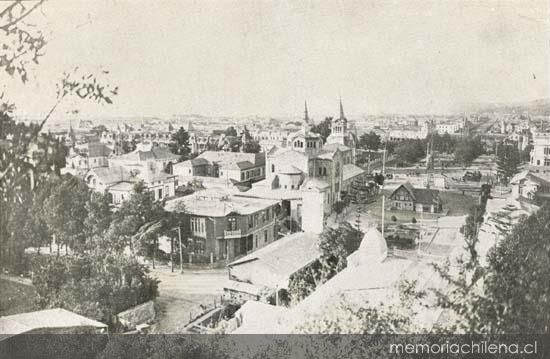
column 536, row 107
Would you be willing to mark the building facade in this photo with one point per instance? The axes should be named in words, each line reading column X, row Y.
column 220, row 226
column 408, row 198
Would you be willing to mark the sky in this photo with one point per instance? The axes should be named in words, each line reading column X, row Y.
column 234, row 58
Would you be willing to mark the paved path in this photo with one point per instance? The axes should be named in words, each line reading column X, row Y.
column 183, row 294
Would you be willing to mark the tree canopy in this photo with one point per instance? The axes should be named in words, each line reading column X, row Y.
column 370, row 141
column 323, row 128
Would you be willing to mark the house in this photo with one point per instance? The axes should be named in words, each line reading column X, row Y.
column 531, row 185
column 263, row 272
column 231, row 166
column 146, row 154
column 48, row 321
column 218, row 225
column 87, row 156
column 406, row 197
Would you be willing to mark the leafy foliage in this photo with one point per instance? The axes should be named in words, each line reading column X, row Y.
column 370, row 141
column 180, row 144
column 65, row 211
column 231, row 131
column 508, row 161
column 323, row 128
column 335, row 245
column 410, row 151
column 95, row 285
column 468, row 149
column 22, row 43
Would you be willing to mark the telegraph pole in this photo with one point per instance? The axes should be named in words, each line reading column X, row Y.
column 383, row 183
column 181, row 249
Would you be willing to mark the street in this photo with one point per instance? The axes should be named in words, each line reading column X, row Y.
column 182, row 295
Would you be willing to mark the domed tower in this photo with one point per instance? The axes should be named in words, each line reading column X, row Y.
column 372, row 250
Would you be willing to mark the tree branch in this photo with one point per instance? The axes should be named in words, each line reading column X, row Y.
column 7, row 26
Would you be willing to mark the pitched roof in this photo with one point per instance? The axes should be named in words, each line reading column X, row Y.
column 239, row 160
column 155, row 153
column 272, row 265
column 45, row 319
column 109, row 175
column 420, row 195
column 98, row 150
column 426, row 196
column 350, row 170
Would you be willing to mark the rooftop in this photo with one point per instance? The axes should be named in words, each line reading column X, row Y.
column 272, row 266
column 218, row 203
column 45, row 319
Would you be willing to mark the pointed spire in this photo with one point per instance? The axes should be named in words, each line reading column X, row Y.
column 341, row 110
column 306, row 115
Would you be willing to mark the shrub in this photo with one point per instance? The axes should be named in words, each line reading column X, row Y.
column 413, row 220
column 96, row 286
column 394, row 218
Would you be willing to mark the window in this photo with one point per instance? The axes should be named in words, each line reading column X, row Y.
column 166, row 190
column 232, row 224
column 250, row 222
column 265, row 235
column 197, row 225
column 272, row 168
column 292, row 187
column 242, row 176
column 159, row 193
column 256, row 241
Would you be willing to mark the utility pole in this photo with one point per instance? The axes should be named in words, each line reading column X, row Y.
column 383, row 183
column 181, row 249
column 172, row 254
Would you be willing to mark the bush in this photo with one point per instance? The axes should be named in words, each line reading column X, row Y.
column 413, row 220
column 394, row 218
column 96, row 286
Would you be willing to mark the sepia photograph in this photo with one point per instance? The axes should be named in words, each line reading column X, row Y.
column 274, row 179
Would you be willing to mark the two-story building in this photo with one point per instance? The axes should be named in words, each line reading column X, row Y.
column 225, row 226
column 125, row 171
column 232, row 166
column 540, row 155
column 87, row 156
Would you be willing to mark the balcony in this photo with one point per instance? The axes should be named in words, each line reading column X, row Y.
column 237, row 233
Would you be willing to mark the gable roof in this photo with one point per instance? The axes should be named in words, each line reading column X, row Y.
column 272, row 265
column 109, row 175
column 420, row 195
column 96, row 149
column 155, row 153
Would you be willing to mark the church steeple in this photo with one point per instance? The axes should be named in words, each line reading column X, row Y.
column 342, row 117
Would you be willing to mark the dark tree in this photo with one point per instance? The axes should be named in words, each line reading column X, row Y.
column 180, row 143
column 231, row 131
column 323, row 128
column 468, row 149
column 370, row 141
column 508, row 161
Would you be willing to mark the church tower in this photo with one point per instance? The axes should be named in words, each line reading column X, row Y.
column 339, row 128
